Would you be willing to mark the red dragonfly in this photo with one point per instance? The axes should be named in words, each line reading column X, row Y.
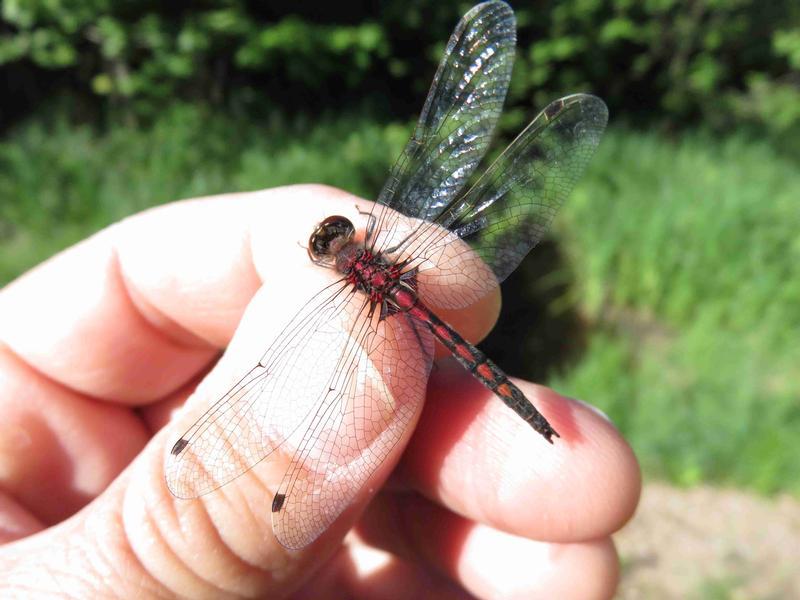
column 343, row 380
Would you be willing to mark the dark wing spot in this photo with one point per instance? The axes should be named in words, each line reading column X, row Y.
column 179, row 446
column 552, row 109
column 277, row 502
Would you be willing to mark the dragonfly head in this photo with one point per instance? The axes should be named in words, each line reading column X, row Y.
column 329, row 238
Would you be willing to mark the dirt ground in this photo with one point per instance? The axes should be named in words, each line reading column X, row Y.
column 711, row 543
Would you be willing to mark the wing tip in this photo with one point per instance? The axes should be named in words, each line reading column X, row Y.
column 499, row 10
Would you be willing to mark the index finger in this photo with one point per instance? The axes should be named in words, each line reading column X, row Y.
column 133, row 313
column 473, row 455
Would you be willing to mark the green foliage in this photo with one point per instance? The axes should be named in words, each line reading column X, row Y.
column 668, row 58
column 60, row 182
column 719, row 60
column 683, row 258
column 142, row 53
column 686, row 259
column 312, row 52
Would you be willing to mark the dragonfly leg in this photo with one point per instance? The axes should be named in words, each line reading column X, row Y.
column 371, row 221
column 410, row 274
column 414, row 325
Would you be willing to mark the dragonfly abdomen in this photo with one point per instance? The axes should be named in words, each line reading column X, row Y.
column 488, row 373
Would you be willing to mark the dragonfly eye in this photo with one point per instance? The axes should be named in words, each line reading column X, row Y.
column 329, row 237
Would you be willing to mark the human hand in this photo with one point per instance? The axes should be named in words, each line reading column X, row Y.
column 98, row 347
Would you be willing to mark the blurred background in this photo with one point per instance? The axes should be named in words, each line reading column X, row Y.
column 668, row 292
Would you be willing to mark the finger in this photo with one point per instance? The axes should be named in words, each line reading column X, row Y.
column 136, row 540
column 475, row 456
column 59, row 449
column 359, row 571
column 73, row 320
column 487, row 562
column 146, row 303
column 158, row 414
column 218, row 544
column 15, row 521
column 233, row 523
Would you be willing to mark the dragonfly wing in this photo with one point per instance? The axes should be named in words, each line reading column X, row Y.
column 262, row 410
column 363, row 416
column 458, row 119
column 482, row 237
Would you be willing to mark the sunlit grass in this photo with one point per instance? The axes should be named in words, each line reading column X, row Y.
column 686, row 257
column 58, row 182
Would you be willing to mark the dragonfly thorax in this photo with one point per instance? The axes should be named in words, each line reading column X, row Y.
column 381, row 280
column 332, row 245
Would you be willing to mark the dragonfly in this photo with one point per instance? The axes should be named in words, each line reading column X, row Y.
column 344, row 379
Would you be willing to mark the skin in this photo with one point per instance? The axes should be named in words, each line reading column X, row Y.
column 99, row 347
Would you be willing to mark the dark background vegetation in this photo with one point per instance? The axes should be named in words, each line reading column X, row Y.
column 669, row 292
column 722, row 62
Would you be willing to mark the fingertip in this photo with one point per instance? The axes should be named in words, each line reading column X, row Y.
column 365, row 572
column 586, row 485
column 16, row 522
column 477, row 457
column 486, row 561
column 495, row 564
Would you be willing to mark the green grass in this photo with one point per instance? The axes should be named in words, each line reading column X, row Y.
column 682, row 258
column 686, row 258
column 59, row 182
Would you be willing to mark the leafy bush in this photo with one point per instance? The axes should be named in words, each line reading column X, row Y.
column 721, row 60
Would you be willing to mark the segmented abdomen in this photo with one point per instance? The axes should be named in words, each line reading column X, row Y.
column 488, row 373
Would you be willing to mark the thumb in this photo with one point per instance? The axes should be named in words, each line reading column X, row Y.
column 137, row 536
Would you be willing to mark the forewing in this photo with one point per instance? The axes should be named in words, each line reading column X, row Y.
column 457, row 121
column 355, row 428
column 482, row 237
column 263, row 409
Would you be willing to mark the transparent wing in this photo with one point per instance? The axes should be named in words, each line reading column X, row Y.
column 457, row 121
column 263, row 409
column 336, row 392
column 370, row 404
column 482, row 237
